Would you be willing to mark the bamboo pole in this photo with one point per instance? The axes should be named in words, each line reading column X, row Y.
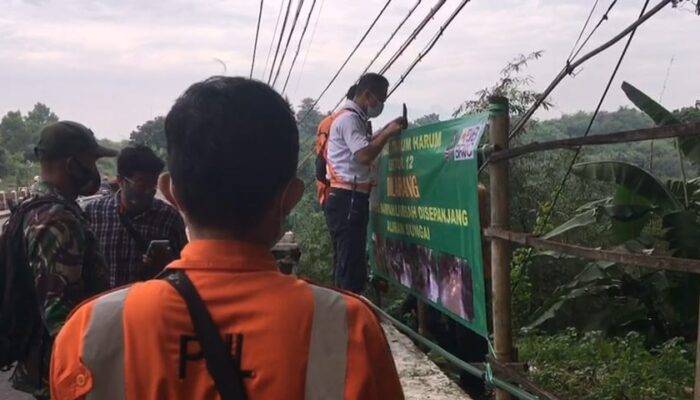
column 500, row 249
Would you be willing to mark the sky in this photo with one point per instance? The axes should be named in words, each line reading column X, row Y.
column 114, row 64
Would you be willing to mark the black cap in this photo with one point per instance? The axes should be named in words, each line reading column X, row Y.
column 67, row 138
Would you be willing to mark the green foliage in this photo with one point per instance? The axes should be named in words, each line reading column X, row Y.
column 152, row 134
column 425, row 120
column 307, row 124
column 591, row 366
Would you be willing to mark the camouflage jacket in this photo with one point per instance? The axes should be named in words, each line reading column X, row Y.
column 62, row 253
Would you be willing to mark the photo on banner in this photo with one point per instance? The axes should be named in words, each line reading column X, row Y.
column 424, row 222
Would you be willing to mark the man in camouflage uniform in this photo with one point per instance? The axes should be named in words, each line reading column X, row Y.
column 60, row 248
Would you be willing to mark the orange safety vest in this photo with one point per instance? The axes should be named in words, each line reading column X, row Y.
column 291, row 339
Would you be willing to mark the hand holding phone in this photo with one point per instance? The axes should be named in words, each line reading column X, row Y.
column 158, row 255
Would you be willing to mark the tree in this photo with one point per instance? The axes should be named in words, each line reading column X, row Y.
column 512, row 84
column 308, row 123
column 151, row 134
column 425, row 120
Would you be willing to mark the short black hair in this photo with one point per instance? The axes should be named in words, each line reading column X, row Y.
column 352, row 90
column 138, row 158
column 375, row 83
column 233, row 144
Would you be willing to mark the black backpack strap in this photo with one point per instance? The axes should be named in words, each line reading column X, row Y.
column 141, row 244
column 224, row 371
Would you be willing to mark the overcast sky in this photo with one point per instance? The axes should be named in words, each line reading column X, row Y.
column 114, row 64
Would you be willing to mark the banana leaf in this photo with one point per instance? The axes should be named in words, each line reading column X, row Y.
column 690, row 147
column 630, row 214
column 585, row 218
column 633, row 178
column 683, row 233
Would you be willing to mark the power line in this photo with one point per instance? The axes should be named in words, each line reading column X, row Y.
column 376, row 56
column 571, row 66
column 255, row 46
column 600, row 22
column 279, row 42
column 296, row 53
column 412, row 36
column 308, row 46
column 335, row 76
column 272, row 42
column 289, row 39
column 429, row 47
column 560, row 188
column 585, row 25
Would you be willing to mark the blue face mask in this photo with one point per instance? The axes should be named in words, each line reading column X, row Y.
column 374, row 112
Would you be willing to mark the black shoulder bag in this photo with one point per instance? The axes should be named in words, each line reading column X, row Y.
column 226, row 375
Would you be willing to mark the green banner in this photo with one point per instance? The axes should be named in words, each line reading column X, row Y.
column 424, row 224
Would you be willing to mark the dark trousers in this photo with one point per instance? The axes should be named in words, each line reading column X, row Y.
column 347, row 215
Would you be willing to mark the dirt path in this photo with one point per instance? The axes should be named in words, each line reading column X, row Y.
column 420, row 377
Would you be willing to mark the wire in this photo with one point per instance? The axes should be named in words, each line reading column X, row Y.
column 412, row 36
column 376, row 56
column 335, row 76
column 590, row 35
column 569, row 67
column 560, row 188
column 308, row 47
column 590, row 14
column 296, row 53
column 272, row 42
column 279, row 42
column 255, row 46
column 429, row 47
column 289, row 39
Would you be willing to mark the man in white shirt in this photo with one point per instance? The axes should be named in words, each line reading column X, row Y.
column 352, row 148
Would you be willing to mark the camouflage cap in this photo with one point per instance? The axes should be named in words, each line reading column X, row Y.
column 68, row 138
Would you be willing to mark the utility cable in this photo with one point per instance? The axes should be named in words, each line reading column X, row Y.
column 279, row 41
column 600, row 22
column 255, row 46
column 272, row 41
column 335, row 76
column 289, row 39
column 296, row 53
column 569, row 67
column 308, row 46
column 429, row 47
column 412, row 36
column 585, row 25
column 376, row 56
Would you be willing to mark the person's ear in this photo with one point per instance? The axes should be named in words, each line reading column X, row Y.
column 292, row 196
column 166, row 187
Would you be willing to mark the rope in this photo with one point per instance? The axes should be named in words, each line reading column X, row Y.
column 430, row 45
column 296, row 53
column 289, row 39
column 376, row 56
column 274, row 33
column 255, row 46
column 279, row 41
column 335, row 76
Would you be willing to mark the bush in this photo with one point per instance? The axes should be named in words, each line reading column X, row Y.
column 591, row 366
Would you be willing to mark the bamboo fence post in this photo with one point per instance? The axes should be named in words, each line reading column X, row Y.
column 500, row 249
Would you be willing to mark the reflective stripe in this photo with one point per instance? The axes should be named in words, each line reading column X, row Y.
column 103, row 347
column 327, row 363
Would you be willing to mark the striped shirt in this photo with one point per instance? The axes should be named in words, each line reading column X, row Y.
column 120, row 250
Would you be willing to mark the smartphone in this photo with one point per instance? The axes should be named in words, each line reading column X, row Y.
column 405, row 116
column 158, row 247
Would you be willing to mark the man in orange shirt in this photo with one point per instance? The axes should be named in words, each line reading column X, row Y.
column 232, row 155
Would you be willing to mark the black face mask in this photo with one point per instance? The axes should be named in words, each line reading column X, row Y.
column 87, row 180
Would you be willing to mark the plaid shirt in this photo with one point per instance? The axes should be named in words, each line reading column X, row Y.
column 160, row 222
